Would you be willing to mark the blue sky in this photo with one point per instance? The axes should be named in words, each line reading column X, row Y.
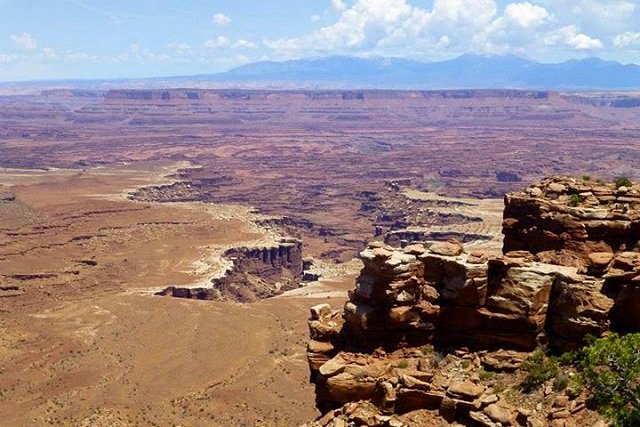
column 52, row 39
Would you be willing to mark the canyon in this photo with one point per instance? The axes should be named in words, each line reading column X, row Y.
column 248, row 207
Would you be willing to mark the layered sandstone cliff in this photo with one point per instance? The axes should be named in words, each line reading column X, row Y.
column 254, row 273
column 570, row 268
column 565, row 220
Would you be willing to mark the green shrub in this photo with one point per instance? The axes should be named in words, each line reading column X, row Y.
column 539, row 369
column 561, row 382
column 611, row 372
column 586, row 177
column 623, row 182
column 575, row 200
column 575, row 387
column 403, row 364
column 568, row 358
column 486, row 375
column 426, row 350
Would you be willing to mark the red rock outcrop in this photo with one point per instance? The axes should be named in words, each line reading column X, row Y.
column 565, row 220
column 256, row 273
column 441, row 296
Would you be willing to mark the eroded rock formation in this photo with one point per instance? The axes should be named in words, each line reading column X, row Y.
column 565, row 220
column 570, row 268
column 255, row 273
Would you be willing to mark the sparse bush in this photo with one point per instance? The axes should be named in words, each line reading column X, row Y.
column 426, row 350
column 586, row 177
column 575, row 200
column 561, row 382
column 575, row 387
column 611, row 372
column 499, row 387
column 539, row 369
column 623, row 182
column 486, row 375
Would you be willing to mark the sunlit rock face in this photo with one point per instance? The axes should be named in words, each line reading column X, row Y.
column 570, row 268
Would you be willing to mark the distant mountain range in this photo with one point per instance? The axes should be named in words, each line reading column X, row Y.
column 464, row 72
column 340, row 72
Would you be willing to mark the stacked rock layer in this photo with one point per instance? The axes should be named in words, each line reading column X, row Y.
column 441, row 297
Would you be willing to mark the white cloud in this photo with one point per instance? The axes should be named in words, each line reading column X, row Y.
column 244, row 44
column 603, row 18
column 180, row 50
column 219, row 42
column 395, row 27
column 25, row 41
column 365, row 23
column 604, row 10
column 135, row 52
column 77, row 56
column 518, row 26
column 570, row 36
column 221, row 19
column 541, row 29
column 474, row 12
column 5, row 59
column 525, row 14
column 627, row 39
column 49, row 53
column 180, row 46
column 339, row 5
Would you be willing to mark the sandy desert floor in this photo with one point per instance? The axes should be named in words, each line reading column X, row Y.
column 84, row 342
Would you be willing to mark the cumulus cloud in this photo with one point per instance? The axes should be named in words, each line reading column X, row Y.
column 179, row 50
column 221, row 19
column 25, row 41
column 135, row 53
column 339, row 5
column 571, row 37
column 366, row 22
column 526, row 14
column 420, row 29
column 517, row 26
column 244, row 44
column 474, row 12
column 218, row 42
column 6, row 59
column 388, row 25
column 49, row 53
column 452, row 27
column 605, row 18
column 82, row 56
column 179, row 46
column 627, row 39
column 603, row 10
